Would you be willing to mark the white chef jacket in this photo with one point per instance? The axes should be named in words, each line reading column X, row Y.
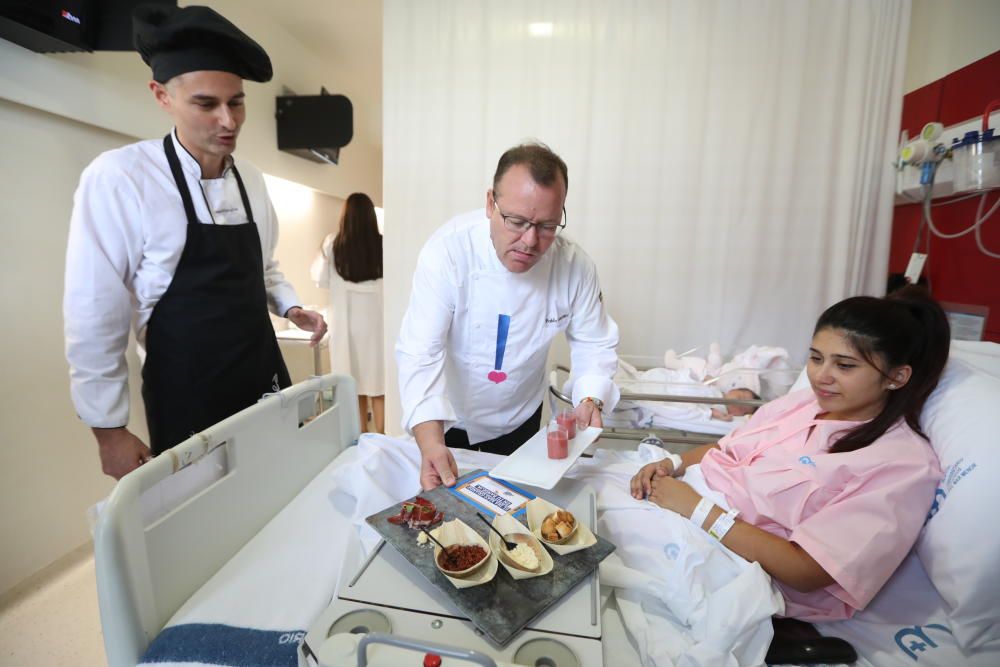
column 447, row 347
column 126, row 237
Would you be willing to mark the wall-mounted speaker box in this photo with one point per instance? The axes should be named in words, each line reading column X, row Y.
column 48, row 26
column 315, row 127
column 60, row 26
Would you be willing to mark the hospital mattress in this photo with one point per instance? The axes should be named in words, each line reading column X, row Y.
column 180, row 584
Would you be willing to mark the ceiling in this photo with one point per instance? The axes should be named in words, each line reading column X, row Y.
column 342, row 31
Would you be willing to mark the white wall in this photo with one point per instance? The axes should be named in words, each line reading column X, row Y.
column 946, row 35
column 306, row 216
column 57, row 112
column 49, row 470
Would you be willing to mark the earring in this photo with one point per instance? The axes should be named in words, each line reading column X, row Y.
column 892, row 386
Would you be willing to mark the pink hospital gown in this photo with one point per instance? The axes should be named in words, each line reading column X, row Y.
column 856, row 513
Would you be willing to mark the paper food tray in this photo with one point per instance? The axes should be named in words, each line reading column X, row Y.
column 530, row 463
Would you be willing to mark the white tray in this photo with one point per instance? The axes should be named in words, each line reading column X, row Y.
column 530, row 463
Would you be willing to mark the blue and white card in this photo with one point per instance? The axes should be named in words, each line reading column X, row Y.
column 491, row 496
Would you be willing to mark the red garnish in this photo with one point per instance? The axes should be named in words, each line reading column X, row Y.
column 417, row 513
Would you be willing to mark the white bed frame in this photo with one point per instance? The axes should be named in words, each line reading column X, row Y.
column 171, row 524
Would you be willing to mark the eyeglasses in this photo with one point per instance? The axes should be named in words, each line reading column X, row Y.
column 517, row 224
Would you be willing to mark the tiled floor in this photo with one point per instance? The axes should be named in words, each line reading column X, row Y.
column 55, row 623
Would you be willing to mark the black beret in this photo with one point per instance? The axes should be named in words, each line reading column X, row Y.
column 175, row 40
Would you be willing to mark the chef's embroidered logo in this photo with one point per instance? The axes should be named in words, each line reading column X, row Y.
column 503, row 326
column 274, row 383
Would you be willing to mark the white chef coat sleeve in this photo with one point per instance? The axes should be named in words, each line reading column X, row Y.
column 280, row 294
column 102, row 254
column 593, row 338
column 423, row 340
column 319, row 272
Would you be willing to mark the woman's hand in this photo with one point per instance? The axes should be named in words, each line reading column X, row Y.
column 674, row 495
column 641, row 483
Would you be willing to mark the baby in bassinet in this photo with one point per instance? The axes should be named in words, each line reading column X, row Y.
column 727, row 412
column 679, row 382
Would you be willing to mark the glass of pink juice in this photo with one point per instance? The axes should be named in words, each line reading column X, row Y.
column 567, row 419
column 558, row 440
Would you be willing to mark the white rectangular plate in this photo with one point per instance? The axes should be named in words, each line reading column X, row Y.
column 530, row 463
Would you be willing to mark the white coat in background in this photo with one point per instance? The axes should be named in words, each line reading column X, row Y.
column 355, row 321
column 454, row 364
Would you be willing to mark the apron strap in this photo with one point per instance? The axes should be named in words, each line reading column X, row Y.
column 175, row 168
column 243, row 193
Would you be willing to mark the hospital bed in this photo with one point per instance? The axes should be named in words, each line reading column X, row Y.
column 179, row 521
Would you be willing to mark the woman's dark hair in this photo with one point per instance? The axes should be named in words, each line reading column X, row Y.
column 905, row 328
column 357, row 250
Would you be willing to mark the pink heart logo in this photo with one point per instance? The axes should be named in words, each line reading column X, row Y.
column 497, row 376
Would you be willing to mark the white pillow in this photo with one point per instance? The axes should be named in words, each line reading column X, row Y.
column 960, row 544
column 981, row 355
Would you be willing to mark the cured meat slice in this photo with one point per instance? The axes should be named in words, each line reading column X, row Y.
column 417, row 513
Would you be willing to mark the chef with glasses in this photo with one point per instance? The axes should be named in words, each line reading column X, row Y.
column 490, row 292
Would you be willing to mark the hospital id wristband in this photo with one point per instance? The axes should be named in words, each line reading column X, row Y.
column 675, row 460
column 701, row 511
column 723, row 524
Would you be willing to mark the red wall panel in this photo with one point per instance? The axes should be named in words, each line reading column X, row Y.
column 956, row 270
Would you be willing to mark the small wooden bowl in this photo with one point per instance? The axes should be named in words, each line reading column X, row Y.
column 562, row 540
column 459, row 574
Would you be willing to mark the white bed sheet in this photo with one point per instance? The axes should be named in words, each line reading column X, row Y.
column 262, row 601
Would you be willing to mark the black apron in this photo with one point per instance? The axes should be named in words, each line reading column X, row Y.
column 210, row 346
column 504, row 444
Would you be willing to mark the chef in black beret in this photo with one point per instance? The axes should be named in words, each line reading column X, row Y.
column 176, row 238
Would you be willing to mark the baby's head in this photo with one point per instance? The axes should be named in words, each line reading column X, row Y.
column 743, row 394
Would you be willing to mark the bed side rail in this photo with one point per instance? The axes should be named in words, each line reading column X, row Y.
column 663, row 398
column 169, row 525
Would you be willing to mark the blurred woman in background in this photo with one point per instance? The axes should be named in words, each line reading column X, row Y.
column 349, row 264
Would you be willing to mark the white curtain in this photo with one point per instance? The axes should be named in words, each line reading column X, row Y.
column 729, row 162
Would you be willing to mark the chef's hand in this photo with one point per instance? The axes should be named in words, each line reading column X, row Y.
column 121, row 452
column 587, row 414
column 673, row 494
column 308, row 320
column 437, row 465
column 642, row 483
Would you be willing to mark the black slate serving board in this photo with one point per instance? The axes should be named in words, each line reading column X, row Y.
column 500, row 608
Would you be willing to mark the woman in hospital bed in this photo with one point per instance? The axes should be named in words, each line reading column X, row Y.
column 831, row 484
